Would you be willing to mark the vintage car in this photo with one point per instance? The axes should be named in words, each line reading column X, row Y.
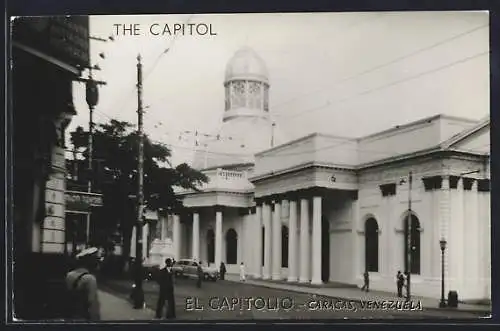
column 189, row 268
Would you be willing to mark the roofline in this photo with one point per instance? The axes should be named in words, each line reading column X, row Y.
column 398, row 158
column 249, row 164
column 415, row 123
column 303, row 138
column 300, row 167
column 465, row 133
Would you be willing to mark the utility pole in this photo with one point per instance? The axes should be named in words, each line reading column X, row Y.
column 92, row 98
column 408, row 238
column 91, row 149
column 139, row 292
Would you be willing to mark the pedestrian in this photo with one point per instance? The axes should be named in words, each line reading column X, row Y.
column 366, row 281
column 400, row 281
column 199, row 270
column 222, row 270
column 166, row 281
column 242, row 272
column 83, row 301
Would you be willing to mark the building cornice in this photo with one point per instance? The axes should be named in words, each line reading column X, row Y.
column 300, row 167
column 435, row 151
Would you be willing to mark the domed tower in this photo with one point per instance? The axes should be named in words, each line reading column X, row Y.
column 246, row 127
column 246, row 86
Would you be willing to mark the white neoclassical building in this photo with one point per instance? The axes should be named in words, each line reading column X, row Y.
column 325, row 208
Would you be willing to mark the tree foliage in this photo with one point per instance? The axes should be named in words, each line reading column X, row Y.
column 115, row 154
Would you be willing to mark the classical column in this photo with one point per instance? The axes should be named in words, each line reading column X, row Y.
column 218, row 236
column 196, row 237
column 258, row 242
column 304, row 241
column 444, row 224
column 316, row 241
column 176, row 236
column 277, row 241
column 266, row 213
column 292, row 242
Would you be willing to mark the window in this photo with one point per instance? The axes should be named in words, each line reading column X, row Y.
column 266, row 98
column 227, row 98
column 254, row 94
column 415, row 244
column 211, row 246
column 371, row 245
column 238, row 94
column 284, row 246
column 231, row 247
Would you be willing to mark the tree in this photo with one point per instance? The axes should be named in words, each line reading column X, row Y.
column 114, row 174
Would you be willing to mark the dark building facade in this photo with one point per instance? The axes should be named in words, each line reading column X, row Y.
column 48, row 54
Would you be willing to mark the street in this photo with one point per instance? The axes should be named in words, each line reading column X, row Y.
column 227, row 300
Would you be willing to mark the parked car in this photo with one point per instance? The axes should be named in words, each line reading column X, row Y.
column 189, row 268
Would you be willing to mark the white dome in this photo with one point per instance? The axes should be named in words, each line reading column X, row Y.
column 246, row 64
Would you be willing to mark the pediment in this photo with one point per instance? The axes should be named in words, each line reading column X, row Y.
column 474, row 140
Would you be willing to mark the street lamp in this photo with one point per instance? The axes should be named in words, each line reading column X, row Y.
column 442, row 245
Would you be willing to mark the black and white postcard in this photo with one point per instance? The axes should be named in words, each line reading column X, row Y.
column 279, row 166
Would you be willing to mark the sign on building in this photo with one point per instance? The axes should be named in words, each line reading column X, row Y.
column 82, row 201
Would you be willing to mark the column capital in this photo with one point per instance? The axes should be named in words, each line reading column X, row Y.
column 483, row 185
column 468, row 183
column 433, row 182
column 219, row 208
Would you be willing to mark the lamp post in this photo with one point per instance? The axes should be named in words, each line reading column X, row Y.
column 442, row 245
column 408, row 237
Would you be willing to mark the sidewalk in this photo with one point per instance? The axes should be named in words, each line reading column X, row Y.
column 354, row 294
column 114, row 308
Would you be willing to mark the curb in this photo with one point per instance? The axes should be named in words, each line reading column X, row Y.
column 448, row 309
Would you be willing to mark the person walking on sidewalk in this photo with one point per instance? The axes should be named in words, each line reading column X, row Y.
column 400, row 281
column 366, row 282
column 83, row 302
column 166, row 281
column 242, row 272
column 199, row 271
column 222, row 270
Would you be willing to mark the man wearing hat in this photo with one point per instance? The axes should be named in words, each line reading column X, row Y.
column 166, row 281
column 82, row 287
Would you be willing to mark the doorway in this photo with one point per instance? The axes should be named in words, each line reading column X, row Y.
column 325, row 249
column 210, row 246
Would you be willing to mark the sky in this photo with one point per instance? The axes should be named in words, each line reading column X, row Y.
column 347, row 74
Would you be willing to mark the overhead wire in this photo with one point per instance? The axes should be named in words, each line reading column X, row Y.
column 312, row 151
column 369, row 91
column 380, row 66
column 352, row 77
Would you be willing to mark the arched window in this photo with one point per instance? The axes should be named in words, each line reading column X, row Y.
column 284, row 246
column 371, row 245
column 415, row 244
column 231, row 247
column 211, row 246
